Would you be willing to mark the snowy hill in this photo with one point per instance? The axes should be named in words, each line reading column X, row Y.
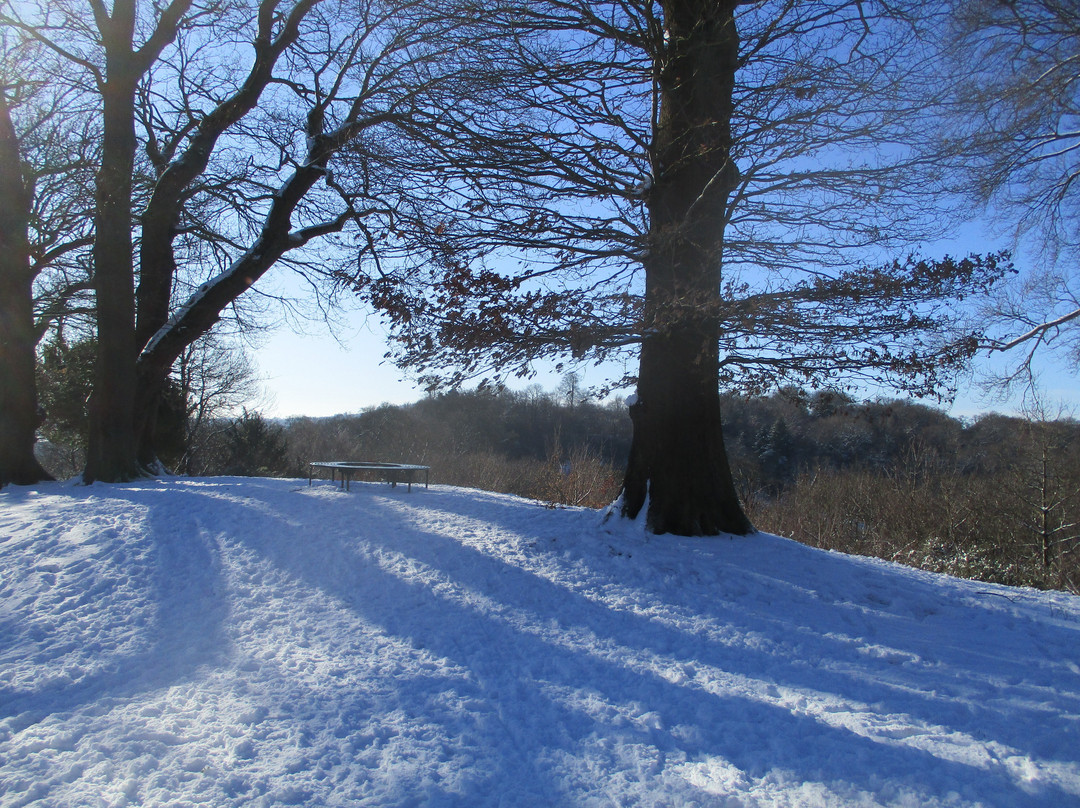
column 227, row 642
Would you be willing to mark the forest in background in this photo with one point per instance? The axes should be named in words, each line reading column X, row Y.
column 705, row 191
column 996, row 498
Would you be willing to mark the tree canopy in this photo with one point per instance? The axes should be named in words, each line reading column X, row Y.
column 712, row 186
column 732, row 194
column 537, row 214
column 1011, row 131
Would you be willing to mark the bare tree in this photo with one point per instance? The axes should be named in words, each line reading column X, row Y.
column 357, row 82
column 570, row 389
column 1012, row 130
column 43, row 237
column 18, row 393
column 215, row 378
column 1044, row 486
column 243, row 166
column 109, row 50
column 713, row 184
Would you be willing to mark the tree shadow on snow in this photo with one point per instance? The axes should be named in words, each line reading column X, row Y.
column 587, row 680
column 886, row 633
column 185, row 633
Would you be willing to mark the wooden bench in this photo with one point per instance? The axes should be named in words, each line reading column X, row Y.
column 392, row 473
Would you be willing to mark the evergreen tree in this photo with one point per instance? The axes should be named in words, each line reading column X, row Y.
column 255, row 447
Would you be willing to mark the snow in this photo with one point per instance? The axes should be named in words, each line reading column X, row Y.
column 256, row 642
column 642, row 188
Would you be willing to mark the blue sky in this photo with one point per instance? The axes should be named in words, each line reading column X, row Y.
column 319, row 375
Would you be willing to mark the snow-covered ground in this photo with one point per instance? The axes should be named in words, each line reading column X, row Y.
column 232, row 641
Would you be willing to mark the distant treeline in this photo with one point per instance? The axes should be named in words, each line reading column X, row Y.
column 996, row 498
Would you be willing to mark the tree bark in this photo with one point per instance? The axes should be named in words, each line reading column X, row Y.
column 678, row 463
column 203, row 309
column 112, row 445
column 19, row 417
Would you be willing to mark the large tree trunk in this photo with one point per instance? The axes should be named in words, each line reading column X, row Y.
column 157, row 261
column 19, row 418
column 111, row 447
column 678, row 463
